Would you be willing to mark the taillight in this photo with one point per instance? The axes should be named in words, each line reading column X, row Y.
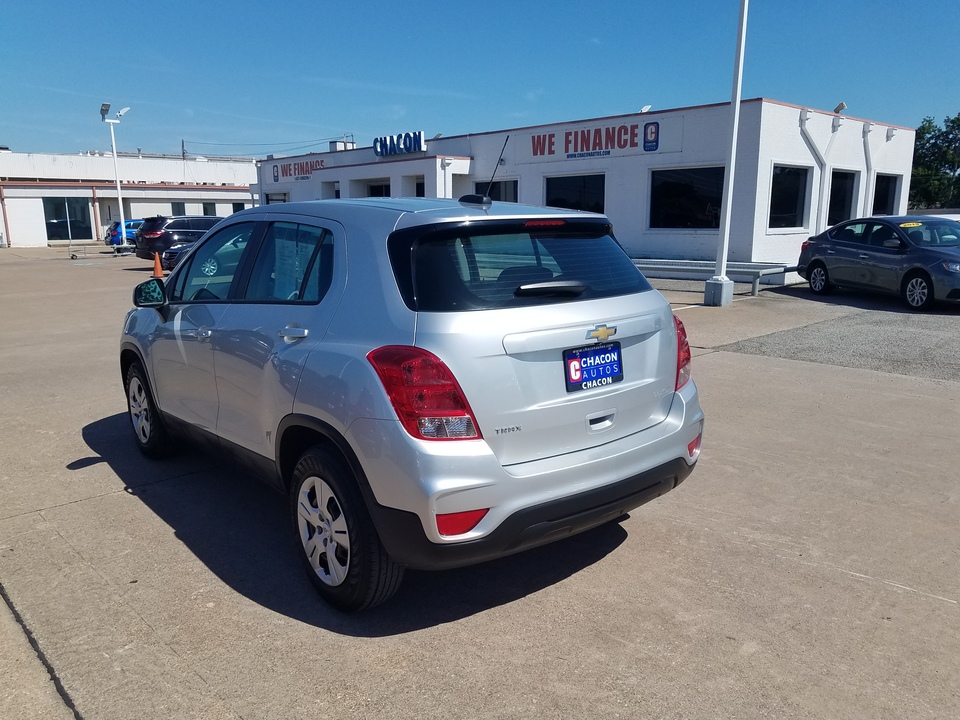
column 154, row 234
column 683, row 354
column 803, row 245
column 425, row 395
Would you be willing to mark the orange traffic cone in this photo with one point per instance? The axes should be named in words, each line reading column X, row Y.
column 157, row 270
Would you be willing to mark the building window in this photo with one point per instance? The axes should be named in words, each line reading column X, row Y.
column 686, row 197
column 502, row 190
column 178, row 208
column 237, row 207
column 378, row 190
column 67, row 219
column 209, row 208
column 788, row 197
column 885, row 195
column 421, row 189
column 576, row 192
column 842, row 188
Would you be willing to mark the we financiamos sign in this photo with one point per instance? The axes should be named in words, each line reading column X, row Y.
column 300, row 170
column 595, row 142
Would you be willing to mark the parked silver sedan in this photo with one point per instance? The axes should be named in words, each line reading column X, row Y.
column 917, row 257
column 433, row 383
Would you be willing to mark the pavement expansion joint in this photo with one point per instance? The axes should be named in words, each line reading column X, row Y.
column 41, row 656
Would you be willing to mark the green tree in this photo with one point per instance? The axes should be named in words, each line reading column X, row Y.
column 936, row 164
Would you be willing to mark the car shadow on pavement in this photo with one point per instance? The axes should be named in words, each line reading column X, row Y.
column 843, row 297
column 239, row 528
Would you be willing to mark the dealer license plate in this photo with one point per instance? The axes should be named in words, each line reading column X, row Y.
column 593, row 366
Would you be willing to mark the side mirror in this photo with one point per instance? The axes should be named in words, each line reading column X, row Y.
column 150, row 294
column 893, row 243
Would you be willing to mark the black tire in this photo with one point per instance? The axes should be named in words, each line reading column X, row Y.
column 339, row 546
column 917, row 291
column 819, row 279
column 147, row 424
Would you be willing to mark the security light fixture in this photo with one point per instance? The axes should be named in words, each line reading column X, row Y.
column 104, row 109
column 840, row 108
column 646, row 108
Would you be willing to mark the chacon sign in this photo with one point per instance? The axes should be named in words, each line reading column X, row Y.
column 399, row 144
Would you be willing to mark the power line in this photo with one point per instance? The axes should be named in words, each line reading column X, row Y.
column 279, row 148
column 304, row 143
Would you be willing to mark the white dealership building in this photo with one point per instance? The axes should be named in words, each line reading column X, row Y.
column 50, row 198
column 657, row 175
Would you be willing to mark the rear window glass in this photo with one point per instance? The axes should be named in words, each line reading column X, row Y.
column 497, row 266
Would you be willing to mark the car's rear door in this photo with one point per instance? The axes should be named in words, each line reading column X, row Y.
column 282, row 311
column 844, row 253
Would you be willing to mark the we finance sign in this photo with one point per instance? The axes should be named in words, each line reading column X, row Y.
column 583, row 142
column 300, row 170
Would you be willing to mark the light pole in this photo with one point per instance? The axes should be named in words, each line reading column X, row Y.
column 104, row 109
column 718, row 290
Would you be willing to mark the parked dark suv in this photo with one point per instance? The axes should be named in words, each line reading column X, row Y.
column 158, row 233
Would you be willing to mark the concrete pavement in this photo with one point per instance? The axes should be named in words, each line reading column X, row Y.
column 809, row 568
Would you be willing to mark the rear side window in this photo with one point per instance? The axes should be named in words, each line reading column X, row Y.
column 204, row 223
column 295, row 264
column 852, row 233
column 511, row 265
column 180, row 224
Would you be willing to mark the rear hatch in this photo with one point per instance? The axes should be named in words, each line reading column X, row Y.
column 557, row 340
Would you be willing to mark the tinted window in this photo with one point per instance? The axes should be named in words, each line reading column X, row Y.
column 509, row 266
column 852, row 233
column 842, row 200
column 576, row 192
column 204, row 223
column 885, row 194
column 880, row 234
column 788, row 197
column 295, row 264
column 209, row 271
column 178, row 224
column 686, row 198
column 503, row 190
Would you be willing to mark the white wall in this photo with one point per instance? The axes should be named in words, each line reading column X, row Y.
column 770, row 135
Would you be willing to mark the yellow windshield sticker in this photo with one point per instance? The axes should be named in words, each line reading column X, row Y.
column 911, row 224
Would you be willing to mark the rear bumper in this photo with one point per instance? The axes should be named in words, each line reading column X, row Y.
column 402, row 533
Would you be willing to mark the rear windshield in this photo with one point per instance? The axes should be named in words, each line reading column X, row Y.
column 497, row 265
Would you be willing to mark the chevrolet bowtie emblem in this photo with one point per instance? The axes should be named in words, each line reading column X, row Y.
column 602, row 333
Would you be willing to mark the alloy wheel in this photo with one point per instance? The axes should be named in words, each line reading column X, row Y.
column 209, row 267
column 917, row 292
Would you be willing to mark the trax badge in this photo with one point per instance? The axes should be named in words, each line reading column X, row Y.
column 602, row 333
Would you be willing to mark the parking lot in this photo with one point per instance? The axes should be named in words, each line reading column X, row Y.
column 809, row 568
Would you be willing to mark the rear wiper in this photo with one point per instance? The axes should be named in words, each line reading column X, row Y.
column 571, row 288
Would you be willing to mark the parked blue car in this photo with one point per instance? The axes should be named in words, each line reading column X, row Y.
column 112, row 236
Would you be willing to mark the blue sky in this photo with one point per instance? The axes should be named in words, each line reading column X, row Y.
column 244, row 78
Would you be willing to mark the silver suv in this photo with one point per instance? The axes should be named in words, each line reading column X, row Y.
column 434, row 383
